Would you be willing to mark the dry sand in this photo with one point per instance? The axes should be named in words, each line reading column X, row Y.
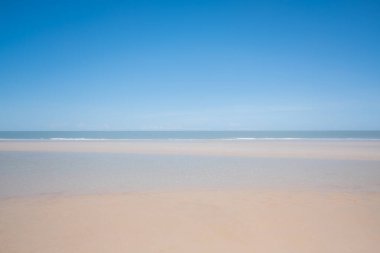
column 198, row 221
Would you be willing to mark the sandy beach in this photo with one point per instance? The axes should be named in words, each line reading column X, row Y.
column 212, row 221
column 307, row 149
column 274, row 218
column 189, row 126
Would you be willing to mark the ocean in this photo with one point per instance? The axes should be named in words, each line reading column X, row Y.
column 186, row 135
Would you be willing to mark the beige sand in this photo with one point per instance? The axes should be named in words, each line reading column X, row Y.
column 208, row 221
column 269, row 221
column 321, row 149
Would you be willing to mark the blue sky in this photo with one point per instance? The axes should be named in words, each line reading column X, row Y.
column 209, row 65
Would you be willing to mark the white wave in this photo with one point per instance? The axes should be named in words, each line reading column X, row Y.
column 188, row 139
column 77, row 139
column 265, row 138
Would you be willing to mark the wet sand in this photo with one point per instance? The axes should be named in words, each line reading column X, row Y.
column 308, row 149
column 224, row 219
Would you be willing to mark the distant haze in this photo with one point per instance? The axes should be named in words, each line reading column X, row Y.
column 190, row 65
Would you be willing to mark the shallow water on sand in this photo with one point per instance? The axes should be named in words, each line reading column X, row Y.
column 36, row 173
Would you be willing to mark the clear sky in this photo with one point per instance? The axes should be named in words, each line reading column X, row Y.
column 210, row 65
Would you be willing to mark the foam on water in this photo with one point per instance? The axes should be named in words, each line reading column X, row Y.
column 187, row 135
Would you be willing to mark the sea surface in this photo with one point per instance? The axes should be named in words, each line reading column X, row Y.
column 185, row 135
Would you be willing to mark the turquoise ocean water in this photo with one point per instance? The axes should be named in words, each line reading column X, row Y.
column 164, row 135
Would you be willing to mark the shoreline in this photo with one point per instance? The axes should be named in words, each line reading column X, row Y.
column 32, row 168
column 315, row 149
